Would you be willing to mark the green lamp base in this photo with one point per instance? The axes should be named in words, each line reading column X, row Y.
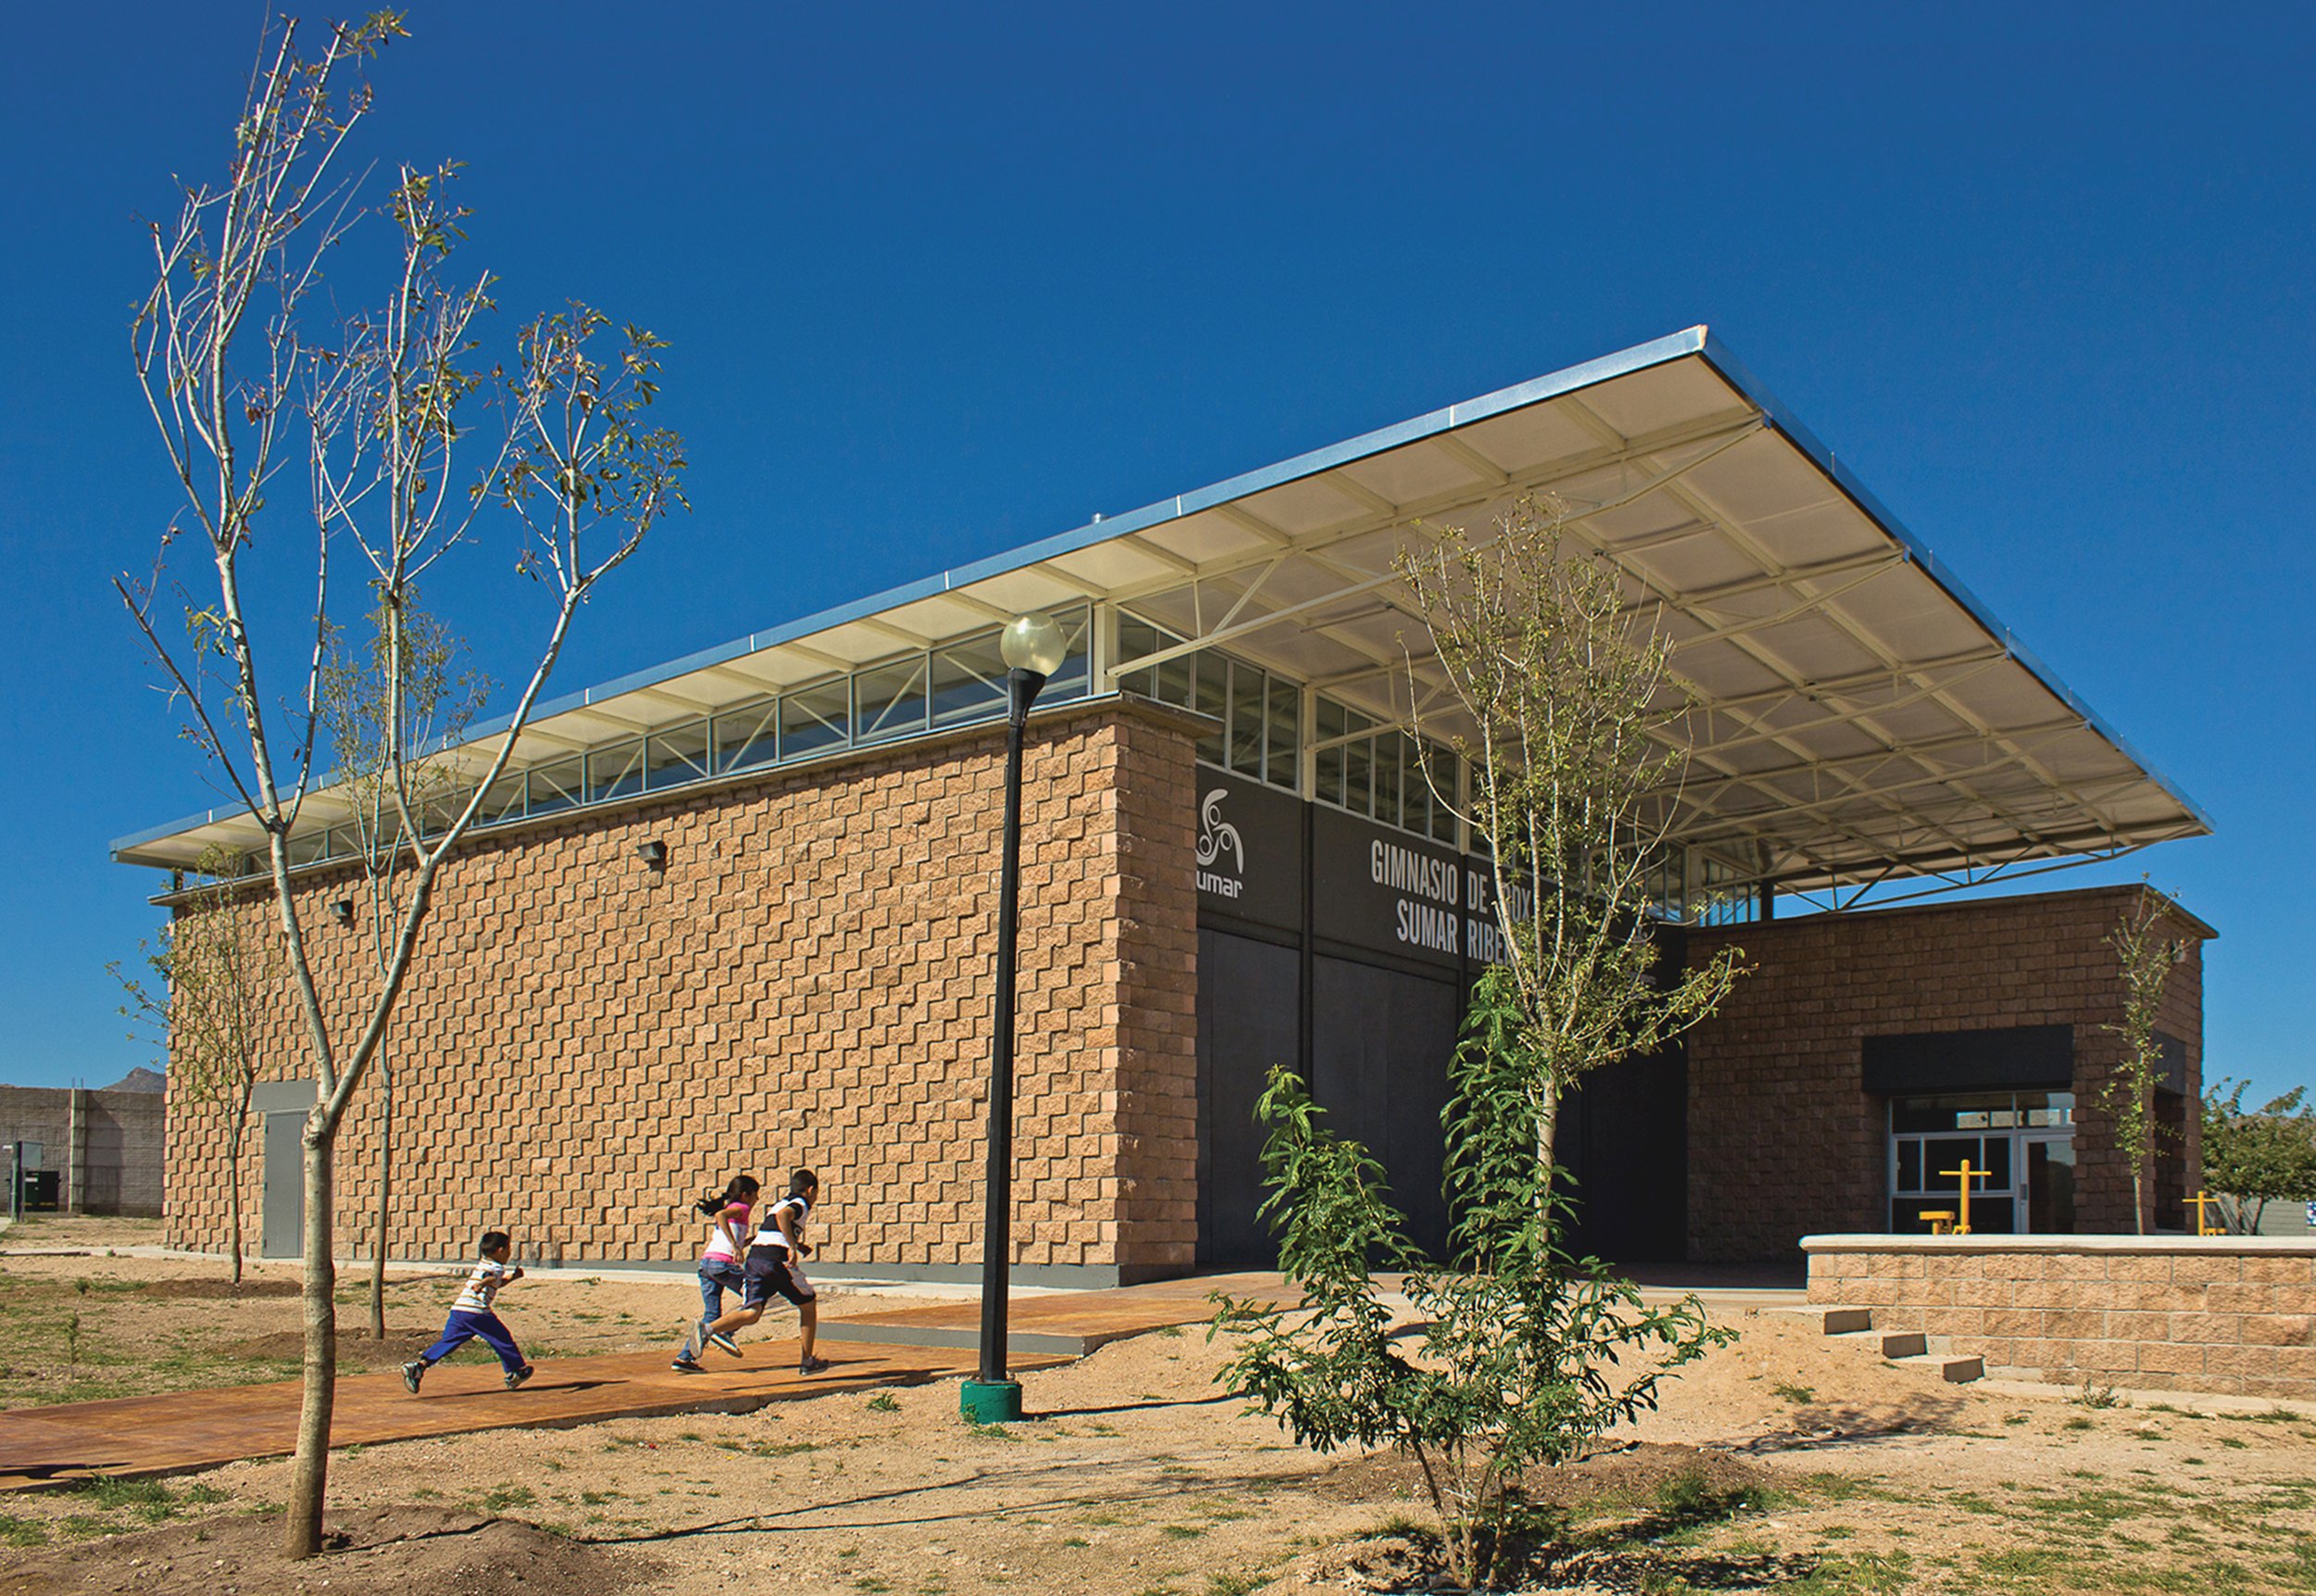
column 991, row 1401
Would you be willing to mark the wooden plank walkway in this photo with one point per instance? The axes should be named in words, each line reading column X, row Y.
column 134, row 1437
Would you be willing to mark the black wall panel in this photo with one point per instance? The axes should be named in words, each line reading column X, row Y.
column 1624, row 1138
column 1342, row 948
column 1247, row 1022
column 1380, row 1046
column 1925, row 1062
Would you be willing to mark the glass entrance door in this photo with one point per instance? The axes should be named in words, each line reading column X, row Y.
column 2046, row 1195
column 2020, row 1149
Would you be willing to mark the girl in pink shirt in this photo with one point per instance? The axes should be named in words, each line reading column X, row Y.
column 722, row 1264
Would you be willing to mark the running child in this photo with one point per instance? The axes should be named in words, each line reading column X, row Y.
column 471, row 1316
column 720, row 1265
column 775, row 1266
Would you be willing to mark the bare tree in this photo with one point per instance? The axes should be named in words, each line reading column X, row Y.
column 2145, row 953
column 1576, row 757
column 405, row 664
column 204, row 979
column 223, row 362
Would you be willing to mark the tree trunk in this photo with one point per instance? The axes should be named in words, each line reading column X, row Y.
column 385, row 1198
column 2143, row 1158
column 233, row 1195
column 301, row 1534
column 1548, row 1132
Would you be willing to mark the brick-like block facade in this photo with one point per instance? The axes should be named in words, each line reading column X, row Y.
column 1784, row 1139
column 586, row 1043
column 2189, row 1313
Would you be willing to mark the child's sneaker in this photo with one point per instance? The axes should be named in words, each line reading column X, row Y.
column 516, row 1376
column 812, row 1366
column 686, row 1366
column 724, row 1343
column 413, row 1372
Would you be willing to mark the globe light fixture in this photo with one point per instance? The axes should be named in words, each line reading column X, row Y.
column 1033, row 643
column 1033, row 646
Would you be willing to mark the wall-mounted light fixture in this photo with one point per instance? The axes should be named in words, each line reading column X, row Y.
column 343, row 912
column 654, row 853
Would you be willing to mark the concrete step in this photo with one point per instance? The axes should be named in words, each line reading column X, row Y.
column 1954, row 1370
column 1890, row 1344
column 1833, row 1321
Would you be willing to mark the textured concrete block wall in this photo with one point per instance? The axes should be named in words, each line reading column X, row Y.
column 587, row 1044
column 2190, row 1313
column 38, row 1113
column 1783, row 1138
column 106, row 1146
column 122, row 1138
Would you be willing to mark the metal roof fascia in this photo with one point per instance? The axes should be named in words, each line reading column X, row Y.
column 1735, row 373
column 1696, row 339
column 121, row 844
column 1690, row 340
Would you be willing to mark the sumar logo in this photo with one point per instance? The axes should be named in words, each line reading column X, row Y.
column 1215, row 836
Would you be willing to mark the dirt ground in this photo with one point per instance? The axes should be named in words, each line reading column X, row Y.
column 1783, row 1463
column 94, row 1323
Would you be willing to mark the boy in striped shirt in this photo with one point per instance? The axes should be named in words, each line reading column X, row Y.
column 471, row 1316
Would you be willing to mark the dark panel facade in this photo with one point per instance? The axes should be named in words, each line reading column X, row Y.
column 1922, row 1062
column 1380, row 1042
column 1624, row 1143
column 1335, row 946
column 1244, row 1029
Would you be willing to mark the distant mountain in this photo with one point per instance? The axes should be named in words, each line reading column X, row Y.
column 140, row 1080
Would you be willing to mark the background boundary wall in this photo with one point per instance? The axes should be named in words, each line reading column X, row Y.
column 2228, row 1313
column 105, row 1145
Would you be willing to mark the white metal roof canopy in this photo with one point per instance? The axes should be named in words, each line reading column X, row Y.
column 1859, row 716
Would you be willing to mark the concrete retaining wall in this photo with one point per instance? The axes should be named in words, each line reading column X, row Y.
column 106, row 1144
column 2232, row 1314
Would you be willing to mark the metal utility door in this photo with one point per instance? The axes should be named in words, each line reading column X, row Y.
column 285, row 1184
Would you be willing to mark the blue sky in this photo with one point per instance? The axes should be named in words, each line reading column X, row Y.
column 941, row 281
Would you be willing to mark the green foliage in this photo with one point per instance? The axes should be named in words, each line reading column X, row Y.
column 1517, row 1356
column 1575, row 745
column 151, row 1500
column 585, row 454
column 2253, row 1157
column 401, row 689
column 2145, row 953
column 1328, row 1370
column 197, row 998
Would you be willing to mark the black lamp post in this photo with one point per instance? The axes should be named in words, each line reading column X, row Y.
column 1032, row 648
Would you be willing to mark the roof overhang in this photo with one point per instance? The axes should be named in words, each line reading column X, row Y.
column 1859, row 715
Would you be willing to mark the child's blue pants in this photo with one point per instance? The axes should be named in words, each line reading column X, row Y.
column 460, row 1328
